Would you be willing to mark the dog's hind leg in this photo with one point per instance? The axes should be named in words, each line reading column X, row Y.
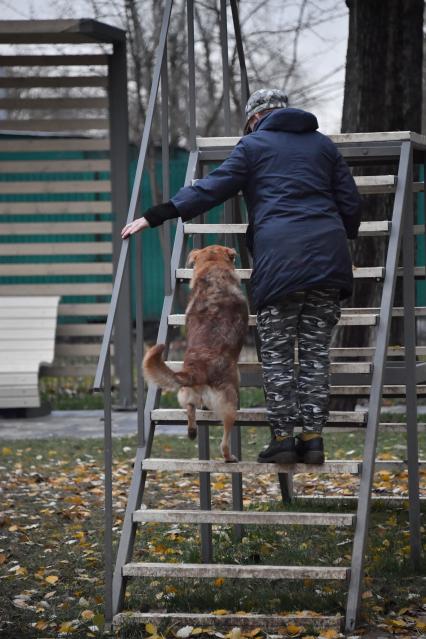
column 192, row 424
column 224, row 403
column 228, row 423
column 187, row 399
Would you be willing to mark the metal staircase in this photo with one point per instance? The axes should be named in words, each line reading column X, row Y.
column 363, row 371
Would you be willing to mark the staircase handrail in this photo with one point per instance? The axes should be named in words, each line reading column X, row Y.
column 106, row 341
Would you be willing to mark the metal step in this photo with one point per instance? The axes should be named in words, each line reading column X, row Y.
column 243, row 517
column 370, row 272
column 212, row 466
column 391, row 427
column 228, row 142
column 375, row 184
column 249, row 415
column 390, row 390
column 357, row 319
column 397, row 311
column 366, row 229
column 233, row 571
column 271, row 624
column 368, row 351
column 363, row 368
column 373, row 272
column 395, row 465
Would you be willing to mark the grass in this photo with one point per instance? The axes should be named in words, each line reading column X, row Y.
column 51, row 581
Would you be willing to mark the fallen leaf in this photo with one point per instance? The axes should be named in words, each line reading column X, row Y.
column 87, row 614
column 151, row 629
column 67, row 626
column 51, row 579
column 184, row 632
column 294, row 630
column 329, row 634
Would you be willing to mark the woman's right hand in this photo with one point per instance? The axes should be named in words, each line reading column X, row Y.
column 137, row 225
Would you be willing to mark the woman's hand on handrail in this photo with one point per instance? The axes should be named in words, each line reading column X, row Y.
column 137, row 225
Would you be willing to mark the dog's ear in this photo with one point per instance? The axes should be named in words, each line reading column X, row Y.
column 232, row 254
column 192, row 257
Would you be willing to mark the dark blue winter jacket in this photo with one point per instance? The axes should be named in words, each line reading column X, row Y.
column 302, row 205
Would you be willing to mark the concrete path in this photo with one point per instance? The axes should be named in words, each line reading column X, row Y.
column 79, row 424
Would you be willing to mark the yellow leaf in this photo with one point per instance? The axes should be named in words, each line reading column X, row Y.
column 150, row 628
column 87, row 614
column 52, row 579
column 67, row 626
column 367, row 594
column 294, row 630
column 421, row 625
column 6, row 451
column 219, row 581
column 41, row 625
column 329, row 634
column 253, row 633
column 197, row 631
column 220, row 612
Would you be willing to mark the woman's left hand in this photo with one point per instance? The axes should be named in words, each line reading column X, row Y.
column 135, row 226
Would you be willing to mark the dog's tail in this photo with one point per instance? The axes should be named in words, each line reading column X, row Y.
column 157, row 372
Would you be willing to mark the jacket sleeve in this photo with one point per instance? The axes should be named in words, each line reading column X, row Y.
column 221, row 184
column 347, row 198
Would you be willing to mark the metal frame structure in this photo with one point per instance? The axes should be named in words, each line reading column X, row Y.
column 115, row 140
column 402, row 148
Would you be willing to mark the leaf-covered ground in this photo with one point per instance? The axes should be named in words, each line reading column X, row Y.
column 51, row 541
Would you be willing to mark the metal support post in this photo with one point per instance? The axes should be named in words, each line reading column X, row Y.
column 379, row 362
column 191, row 76
column 237, row 480
column 139, row 339
column 119, row 154
column 205, row 495
column 165, row 163
column 245, row 90
column 225, row 66
column 409, row 297
column 108, row 492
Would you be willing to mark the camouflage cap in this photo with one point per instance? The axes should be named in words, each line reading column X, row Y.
column 264, row 99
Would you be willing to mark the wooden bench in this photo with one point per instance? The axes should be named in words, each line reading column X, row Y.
column 27, row 340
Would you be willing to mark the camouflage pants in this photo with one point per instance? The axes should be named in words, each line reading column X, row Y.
column 298, row 399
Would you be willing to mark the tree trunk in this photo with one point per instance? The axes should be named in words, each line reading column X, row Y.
column 383, row 92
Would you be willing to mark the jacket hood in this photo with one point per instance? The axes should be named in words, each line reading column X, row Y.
column 294, row 120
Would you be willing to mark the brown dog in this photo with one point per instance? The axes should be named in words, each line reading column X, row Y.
column 216, row 324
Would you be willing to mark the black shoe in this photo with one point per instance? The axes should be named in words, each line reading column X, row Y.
column 310, row 451
column 281, row 451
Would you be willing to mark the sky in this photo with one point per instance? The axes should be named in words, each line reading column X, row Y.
column 321, row 51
